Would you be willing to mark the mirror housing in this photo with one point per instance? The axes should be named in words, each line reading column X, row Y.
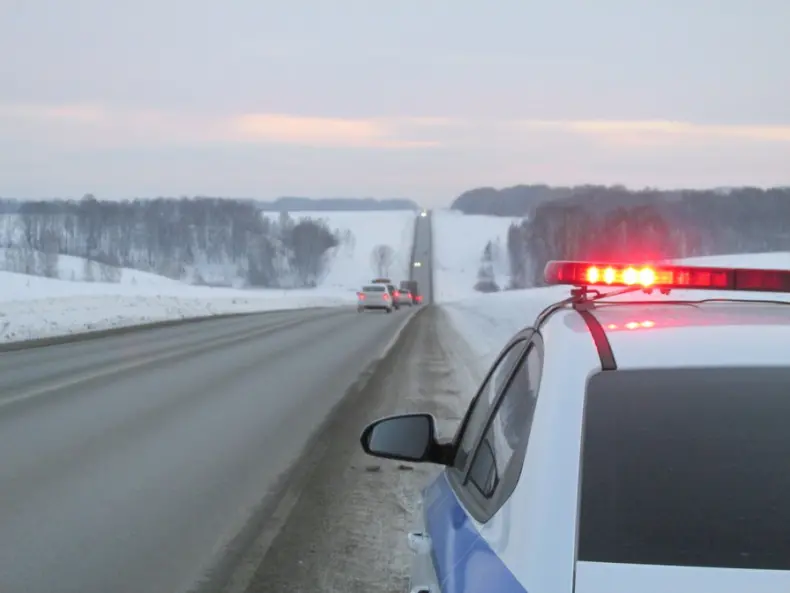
column 406, row 437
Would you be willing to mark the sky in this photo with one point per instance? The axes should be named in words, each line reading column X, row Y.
column 415, row 98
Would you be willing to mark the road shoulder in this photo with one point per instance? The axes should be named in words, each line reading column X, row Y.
column 347, row 529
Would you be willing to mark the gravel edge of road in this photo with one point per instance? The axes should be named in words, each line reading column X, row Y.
column 237, row 567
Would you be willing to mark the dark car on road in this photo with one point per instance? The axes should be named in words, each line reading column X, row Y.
column 412, row 287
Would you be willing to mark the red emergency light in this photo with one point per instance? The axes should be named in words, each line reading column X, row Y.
column 579, row 273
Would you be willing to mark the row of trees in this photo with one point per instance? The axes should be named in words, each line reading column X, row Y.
column 618, row 224
column 201, row 240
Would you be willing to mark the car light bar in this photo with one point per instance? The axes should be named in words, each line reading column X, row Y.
column 578, row 273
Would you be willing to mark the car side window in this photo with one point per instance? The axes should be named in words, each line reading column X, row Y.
column 482, row 404
column 508, row 431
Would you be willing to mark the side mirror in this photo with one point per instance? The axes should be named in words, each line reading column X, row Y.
column 409, row 437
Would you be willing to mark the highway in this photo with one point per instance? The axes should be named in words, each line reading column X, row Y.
column 130, row 463
column 422, row 252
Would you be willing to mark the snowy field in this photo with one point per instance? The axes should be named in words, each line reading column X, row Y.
column 351, row 265
column 33, row 306
column 488, row 321
column 458, row 244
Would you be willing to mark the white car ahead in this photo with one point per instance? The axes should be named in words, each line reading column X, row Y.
column 622, row 443
column 404, row 297
column 375, row 296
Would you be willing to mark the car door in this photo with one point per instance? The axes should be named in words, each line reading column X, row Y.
column 453, row 507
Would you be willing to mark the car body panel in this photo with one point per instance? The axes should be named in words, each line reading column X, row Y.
column 463, row 560
column 529, row 544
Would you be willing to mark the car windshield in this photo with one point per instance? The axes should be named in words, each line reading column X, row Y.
column 687, row 467
column 373, row 289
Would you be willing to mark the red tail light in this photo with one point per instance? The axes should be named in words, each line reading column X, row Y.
column 361, row 296
column 386, row 297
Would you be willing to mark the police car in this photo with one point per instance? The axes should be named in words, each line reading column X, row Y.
column 622, row 444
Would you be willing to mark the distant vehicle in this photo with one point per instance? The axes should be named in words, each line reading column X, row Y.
column 391, row 286
column 417, row 264
column 413, row 288
column 424, row 213
column 404, row 297
column 375, row 296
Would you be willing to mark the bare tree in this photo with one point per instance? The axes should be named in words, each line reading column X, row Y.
column 87, row 271
column 486, row 279
column 110, row 274
column 49, row 254
column 381, row 259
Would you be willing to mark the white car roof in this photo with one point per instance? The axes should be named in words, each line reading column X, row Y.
column 673, row 336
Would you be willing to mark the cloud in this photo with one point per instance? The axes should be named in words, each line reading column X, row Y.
column 322, row 131
column 646, row 132
column 97, row 126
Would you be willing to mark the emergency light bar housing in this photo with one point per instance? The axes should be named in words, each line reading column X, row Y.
column 649, row 276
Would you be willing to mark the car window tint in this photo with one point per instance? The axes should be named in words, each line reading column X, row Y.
column 509, row 427
column 373, row 289
column 482, row 404
column 687, row 467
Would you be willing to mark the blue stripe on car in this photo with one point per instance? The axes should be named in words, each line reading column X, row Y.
column 463, row 560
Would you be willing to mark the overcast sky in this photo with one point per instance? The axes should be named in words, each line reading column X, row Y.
column 413, row 98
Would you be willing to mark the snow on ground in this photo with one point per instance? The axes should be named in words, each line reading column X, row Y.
column 74, row 268
column 458, row 244
column 488, row 321
column 350, row 265
column 34, row 307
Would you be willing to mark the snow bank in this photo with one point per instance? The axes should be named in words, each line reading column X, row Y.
column 488, row 321
column 458, row 244
column 350, row 264
column 34, row 307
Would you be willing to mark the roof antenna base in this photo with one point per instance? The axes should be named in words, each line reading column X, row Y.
column 582, row 297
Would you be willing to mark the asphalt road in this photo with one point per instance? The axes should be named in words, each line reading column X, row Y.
column 422, row 252
column 341, row 528
column 128, row 463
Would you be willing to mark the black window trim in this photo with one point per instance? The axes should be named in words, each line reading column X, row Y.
column 481, row 507
column 523, row 337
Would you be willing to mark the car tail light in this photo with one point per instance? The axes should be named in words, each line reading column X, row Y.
column 386, row 297
column 361, row 296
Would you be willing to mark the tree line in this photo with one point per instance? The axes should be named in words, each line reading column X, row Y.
column 199, row 240
column 616, row 224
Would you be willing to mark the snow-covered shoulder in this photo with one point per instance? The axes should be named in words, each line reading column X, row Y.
column 34, row 307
